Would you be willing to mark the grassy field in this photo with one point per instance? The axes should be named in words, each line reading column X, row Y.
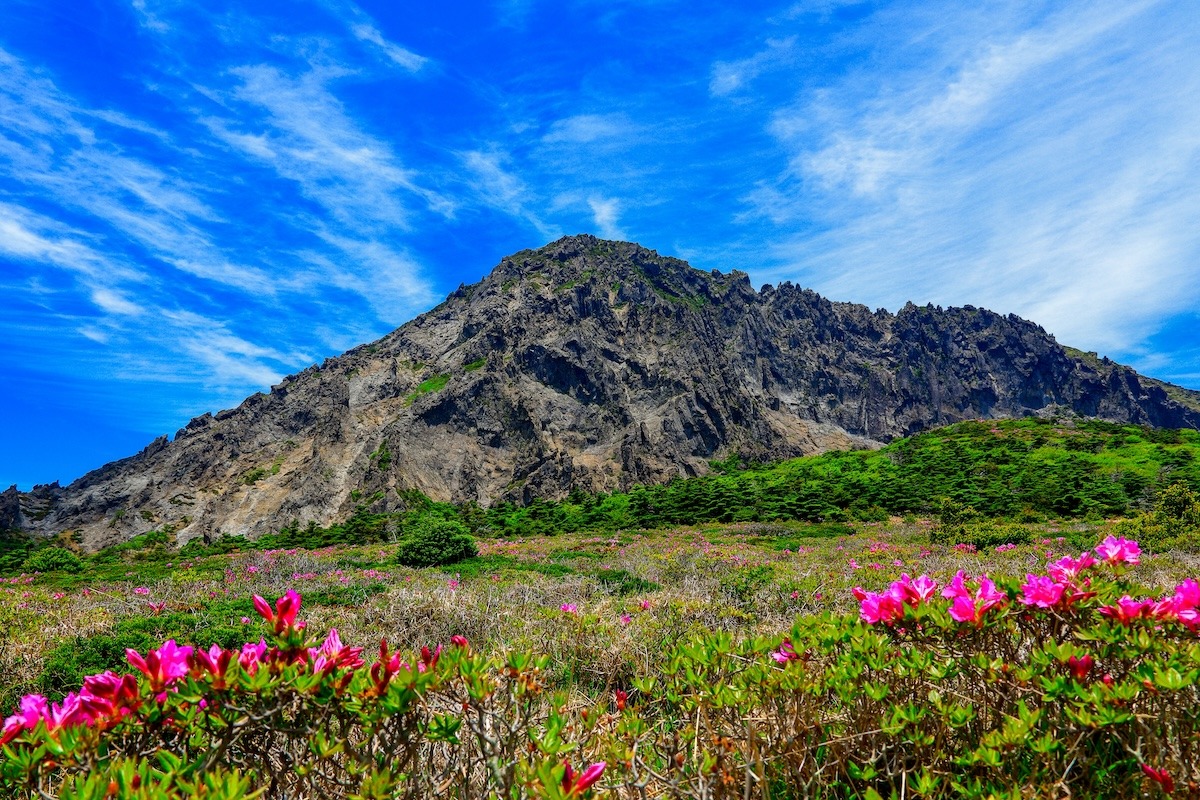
column 685, row 625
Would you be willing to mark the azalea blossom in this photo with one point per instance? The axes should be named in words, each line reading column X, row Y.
column 786, row 652
column 1115, row 550
column 33, row 710
column 252, row 655
column 1159, row 776
column 333, row 654
column 1041, row 591
column 971, row 608
column 575, row 785
column 1127, row 609
column 162, row 666
column 1067, row 569
column 1080, row 666
column 875, row 608
column 283, row 616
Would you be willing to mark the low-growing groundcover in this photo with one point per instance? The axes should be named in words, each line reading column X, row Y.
column 1069, row 678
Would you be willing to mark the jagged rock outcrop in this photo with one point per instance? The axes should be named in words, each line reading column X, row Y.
column 587, row 363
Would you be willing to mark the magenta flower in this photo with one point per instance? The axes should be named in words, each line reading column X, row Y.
column 1159, row 776
column 1041, row 591
column 575, row 785
column 1067, row 569
column 109, row 695
column 283, row 617
column 786, row 652
column 252, row 655
column 33, row 710
column 626, row 619
column 1115, row 550
column 1080, row 667
column 1127, row 609
column 875, row 608
column 570, row 608
column 913, row 592
column 162, row 666
column 141, row 590
column 971, row 608
column 333, row 654
column 957, row 586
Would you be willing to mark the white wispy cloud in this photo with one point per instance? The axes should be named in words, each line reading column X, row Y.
column 493, row 184
column 729, row 77
column 1041, row 167
column 606, row 211
column 589, row 129
column 401, row 56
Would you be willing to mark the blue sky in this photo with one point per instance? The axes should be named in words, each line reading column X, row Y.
column 199, row 198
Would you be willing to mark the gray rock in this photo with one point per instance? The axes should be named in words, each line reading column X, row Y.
column 592, row 364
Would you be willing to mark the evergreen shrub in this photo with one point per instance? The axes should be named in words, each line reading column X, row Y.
column 435, row 543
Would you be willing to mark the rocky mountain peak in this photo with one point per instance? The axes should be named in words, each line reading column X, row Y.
column 593, row 364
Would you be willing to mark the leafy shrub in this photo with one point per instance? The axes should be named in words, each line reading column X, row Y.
column 435, row 543
column 623, row 583
column 743, row 583
column 982, row 534
column 1174, row 524
column 53, row 559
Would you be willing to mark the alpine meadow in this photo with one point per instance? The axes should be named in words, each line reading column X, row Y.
column 849, row 451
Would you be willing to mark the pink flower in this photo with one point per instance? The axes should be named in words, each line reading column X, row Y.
column 645, row 605
column 284, row 614
column 1159, row 776
column 162, row 666
column 1080, row 667
column 957, row 586
column 1067, row 569
column 141, row 590
column 626, row 619
column 1041, row 591
column 33, row 710
column 575, row 786
column 333, row 654
column 875, row 608
column 459, row 641
column 912, row 592
column 1127, row 609
column 968, row 608
column 786, row 652
column 157, row 608
column 1115, row 550
column 252, row 655
column 569, row 608
column 453, row 584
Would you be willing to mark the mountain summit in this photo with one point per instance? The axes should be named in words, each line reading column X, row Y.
column 592, row 364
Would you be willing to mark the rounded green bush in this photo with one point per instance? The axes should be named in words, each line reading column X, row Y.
column 53, row 559
column 435, row 543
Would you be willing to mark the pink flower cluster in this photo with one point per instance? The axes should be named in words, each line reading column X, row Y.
column 1182, row 607
column 889, row 606
column 103, row 698
column 1062, row 587
column 1115, row 550
column 106, row 698
column 970, row 606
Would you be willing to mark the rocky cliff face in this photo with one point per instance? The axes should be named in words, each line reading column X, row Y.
column 586, row 363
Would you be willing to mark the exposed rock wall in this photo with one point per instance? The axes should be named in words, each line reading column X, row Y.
column 594, row 364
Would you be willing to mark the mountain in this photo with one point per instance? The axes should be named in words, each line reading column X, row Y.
column 592, row 364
